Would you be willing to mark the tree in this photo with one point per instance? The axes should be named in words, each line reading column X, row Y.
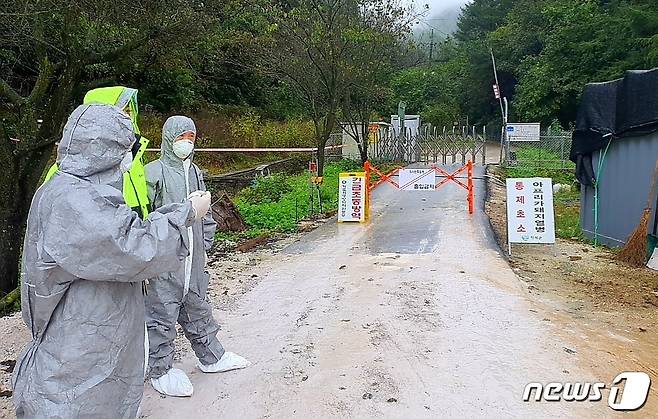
column 383, row 32
column 554, row 47
column 546, row 51
column 480, row 17
column 357, row 112
column 316, row 47
column 433, row 92
column 307, row 49
column 50, row 54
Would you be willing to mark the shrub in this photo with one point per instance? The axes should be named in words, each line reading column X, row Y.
column 277, row 203
column 267, row 189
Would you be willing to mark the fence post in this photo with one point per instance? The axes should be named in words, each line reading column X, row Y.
column 474, row 146
column 484, row 145
column 471, row 194
column 464, row 144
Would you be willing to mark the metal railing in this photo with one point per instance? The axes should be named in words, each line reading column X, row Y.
column 430, row 145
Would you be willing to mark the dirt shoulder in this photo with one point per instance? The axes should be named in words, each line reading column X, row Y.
column 13, row 336
column 586, row 280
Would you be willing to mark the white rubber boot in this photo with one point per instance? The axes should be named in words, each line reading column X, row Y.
column 229, row 361
column 173, row 383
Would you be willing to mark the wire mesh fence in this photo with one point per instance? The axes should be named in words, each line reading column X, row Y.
column 335, row 152
column 550, row 152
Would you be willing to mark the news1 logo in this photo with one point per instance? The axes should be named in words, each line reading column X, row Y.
column 628, row 391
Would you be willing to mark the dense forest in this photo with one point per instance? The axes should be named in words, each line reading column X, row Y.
column 208, row 53
column 546, row 51
column 313, row 62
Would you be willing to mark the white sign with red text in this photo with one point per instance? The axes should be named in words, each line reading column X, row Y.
column 530, row 216
column 352, row 197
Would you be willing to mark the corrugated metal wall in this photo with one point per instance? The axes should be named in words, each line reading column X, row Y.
column 623, row 188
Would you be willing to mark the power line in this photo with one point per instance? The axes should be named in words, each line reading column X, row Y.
column 424, row 22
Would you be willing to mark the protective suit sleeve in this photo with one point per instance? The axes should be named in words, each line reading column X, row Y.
column 94, row 236
column 209, row 224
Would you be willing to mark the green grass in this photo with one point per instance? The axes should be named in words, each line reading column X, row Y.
column 538, row 162
column 277, row 203
column 567, row 215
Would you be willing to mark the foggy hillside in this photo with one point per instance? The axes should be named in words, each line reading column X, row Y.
column 443, row 22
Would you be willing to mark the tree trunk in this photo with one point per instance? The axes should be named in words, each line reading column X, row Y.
column 11, row 235
column 322, row 143
column 21, row 177
column 322, row 138
column 363, row 151
column 320, row 160
column 22, row 163
column 226, row 215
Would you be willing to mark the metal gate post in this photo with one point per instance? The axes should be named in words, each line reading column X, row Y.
column 471, row 194
column 484, row 146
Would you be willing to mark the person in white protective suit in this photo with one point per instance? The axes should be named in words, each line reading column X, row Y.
column 85, row 256
column 180, row 295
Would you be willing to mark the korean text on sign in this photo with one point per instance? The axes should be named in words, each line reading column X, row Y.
column 417, row 179
column 530, row 216
column 352, row 197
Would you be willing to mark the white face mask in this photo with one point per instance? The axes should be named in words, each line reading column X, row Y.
column 183, row 148
column 126, row 162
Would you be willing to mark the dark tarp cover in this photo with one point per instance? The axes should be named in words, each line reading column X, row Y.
column 637, row 103
column 612, row 110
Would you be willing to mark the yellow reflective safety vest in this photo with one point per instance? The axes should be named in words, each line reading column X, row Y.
column 135, row 192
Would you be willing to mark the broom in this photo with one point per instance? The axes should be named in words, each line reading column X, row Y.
column 634, row 252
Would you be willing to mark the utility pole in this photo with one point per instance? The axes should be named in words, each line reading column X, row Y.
column 431, row 45
column 503, row 111
column 500, row 100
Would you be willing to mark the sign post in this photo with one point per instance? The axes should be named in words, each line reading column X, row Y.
column 352, row 197
column 530, row 215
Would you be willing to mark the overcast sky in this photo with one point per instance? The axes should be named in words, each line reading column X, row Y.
column 437, row 6
column 442, row 15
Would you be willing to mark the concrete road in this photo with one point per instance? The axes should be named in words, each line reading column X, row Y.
column 413, row 315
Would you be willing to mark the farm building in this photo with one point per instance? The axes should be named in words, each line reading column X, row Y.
column 615, row 148
column 351, row 131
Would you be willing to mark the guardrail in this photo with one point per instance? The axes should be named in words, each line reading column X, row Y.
column 260, row 149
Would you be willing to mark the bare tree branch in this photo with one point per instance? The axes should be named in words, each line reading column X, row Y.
column 46, row 71
column 117, row 53
column 31, row 148
column 9, row 93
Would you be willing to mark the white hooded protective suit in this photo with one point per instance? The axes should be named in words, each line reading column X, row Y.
column 85, row 256
column 180, row 295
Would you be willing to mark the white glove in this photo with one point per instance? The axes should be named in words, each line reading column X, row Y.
column 200, row 202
